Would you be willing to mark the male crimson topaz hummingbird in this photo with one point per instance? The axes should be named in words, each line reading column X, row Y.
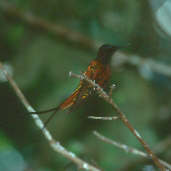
column 98, row 71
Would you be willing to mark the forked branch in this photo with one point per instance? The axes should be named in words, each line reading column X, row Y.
column 127, row 148
column 123, row 118
column 56, row 146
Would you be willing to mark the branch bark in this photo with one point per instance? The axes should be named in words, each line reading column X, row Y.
column 123, row 118
column 104, row 118
column 55, row 145
column 127, row 148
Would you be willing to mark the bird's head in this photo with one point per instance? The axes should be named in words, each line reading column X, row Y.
column 105, row 53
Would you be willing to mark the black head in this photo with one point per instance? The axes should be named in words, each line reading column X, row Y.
column 105, row 53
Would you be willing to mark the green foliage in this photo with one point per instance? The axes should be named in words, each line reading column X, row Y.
column 41, row 62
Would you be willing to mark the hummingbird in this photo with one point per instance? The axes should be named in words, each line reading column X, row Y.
column 98, row 70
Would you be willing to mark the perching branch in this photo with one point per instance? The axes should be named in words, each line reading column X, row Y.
column 56, row 146
column 59, row 31
column 123, row 118
column 127, row 148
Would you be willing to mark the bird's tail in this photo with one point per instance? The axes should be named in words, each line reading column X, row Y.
column 64, row 105
column 47, row 111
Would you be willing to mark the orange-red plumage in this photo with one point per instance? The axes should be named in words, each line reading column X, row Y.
column 95, row 71
column 98, row 70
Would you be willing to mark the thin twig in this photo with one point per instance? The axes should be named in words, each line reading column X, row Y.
column 158, row 149
column 79, row 39
column 127, row 148
column 104, row 118
column 123, row 118
column 112, row 87
column 54, row 144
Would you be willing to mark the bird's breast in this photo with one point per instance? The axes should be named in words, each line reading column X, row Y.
column 98, row 72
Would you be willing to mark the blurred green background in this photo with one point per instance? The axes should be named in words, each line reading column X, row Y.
column 41, row 41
